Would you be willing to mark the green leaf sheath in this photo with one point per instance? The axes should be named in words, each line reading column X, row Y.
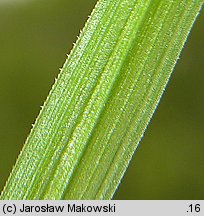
column 102, row 101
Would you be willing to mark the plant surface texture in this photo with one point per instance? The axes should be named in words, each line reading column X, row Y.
column 102, row 100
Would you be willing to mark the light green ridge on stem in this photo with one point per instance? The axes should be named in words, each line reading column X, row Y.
column 102, row 101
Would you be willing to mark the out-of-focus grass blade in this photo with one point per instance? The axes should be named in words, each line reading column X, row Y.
column 102, row 101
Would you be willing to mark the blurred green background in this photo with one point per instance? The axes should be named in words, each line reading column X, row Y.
column 35, row 36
